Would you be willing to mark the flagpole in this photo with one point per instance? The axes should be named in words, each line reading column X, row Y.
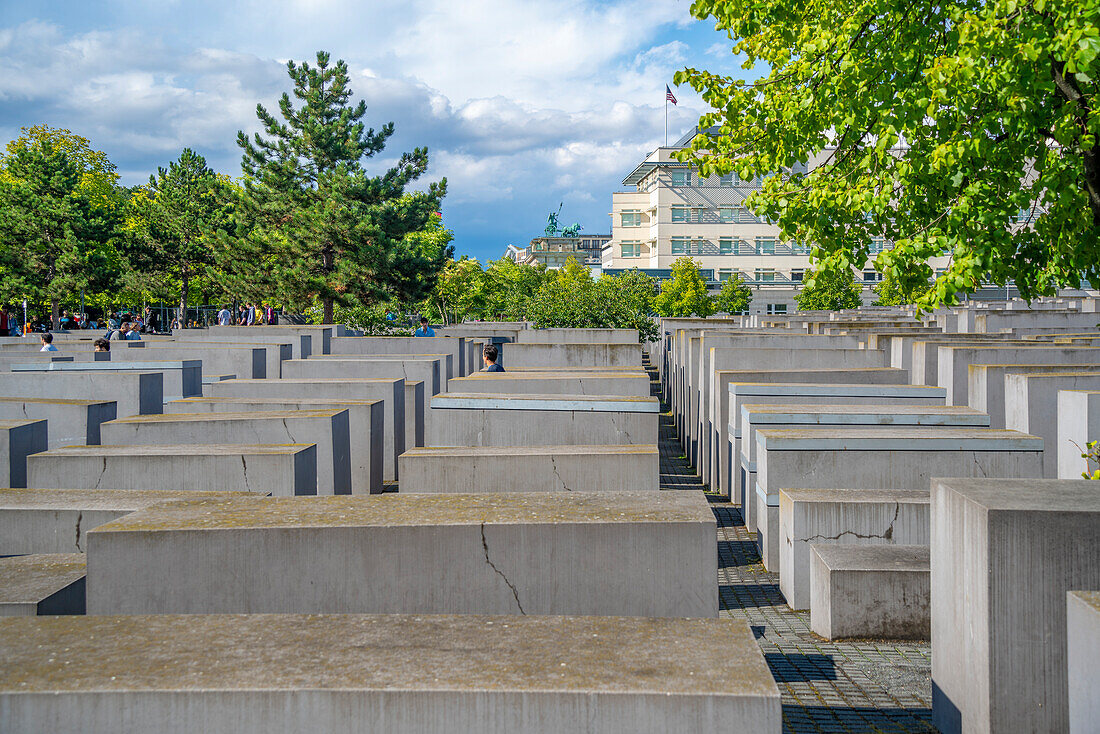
column 666, row 120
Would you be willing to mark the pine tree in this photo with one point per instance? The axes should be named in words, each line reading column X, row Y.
column 336, row 233
column 176, row 222
column 55, row 238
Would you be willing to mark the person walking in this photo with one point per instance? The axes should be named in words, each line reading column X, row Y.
column 224, row 317
column 424, row 329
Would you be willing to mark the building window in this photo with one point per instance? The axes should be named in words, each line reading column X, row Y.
column 765, row 275
column 725, row 274
column 744, row 216
column 681, row 178
column 725, row 246
column 878, row 244
column 765, row 245
column 631, row 219
column 796, row 275
column 632, row 249
column 776, row 308
column 800, row 248
column 870, row 276
column 681, row 214
column 1023, row 215
column 725, row 214
column 680, row 245
column 727, row 180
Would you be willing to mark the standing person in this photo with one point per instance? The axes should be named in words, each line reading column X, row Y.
column 272, row 318
column 150, row 320
column 66, row 320
column 134, row 334
column 5, row 327
column 47, row 343
column 224, row 317
column 489, row 355
column 424, row 329
column 250, row 315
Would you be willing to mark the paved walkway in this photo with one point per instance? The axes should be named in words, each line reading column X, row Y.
column 870, row 686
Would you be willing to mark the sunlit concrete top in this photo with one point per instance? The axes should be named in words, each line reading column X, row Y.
column 879, row 415
column 896, row 439
column 857, row 496
column 17, row 422
column 852, row 389
column 522, row 508
column 586, row 450
column 852, row 557
column 275, row 400
column 243, row 415
column 534, row 401
column 413, row 653
column 182, row 449
column 151, row 366
column 1035, row 495
column 125, row 500
column 30, row 579
column 55, row 401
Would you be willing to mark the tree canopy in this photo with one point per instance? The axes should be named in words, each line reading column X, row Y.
column 965, row 128
column 685, row 293
column 339, row 235
column 829, row 290
column 735, row 296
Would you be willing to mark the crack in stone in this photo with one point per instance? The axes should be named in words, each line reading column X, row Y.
column 887, row 534
column 554, row 465
column 515, row 592
column 79, row 517
column 288, row 433
column 980, row 467
column 101, row 473
column 244, row 465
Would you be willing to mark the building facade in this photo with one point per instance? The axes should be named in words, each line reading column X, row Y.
column 554, row 252
column 667, row 211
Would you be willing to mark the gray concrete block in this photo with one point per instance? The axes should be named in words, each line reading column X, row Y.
column 876, row 591
column 280, row 470
column 391, row 392
column 42, row 584
column 182, row 378
column 554, row 383
column 328, row 429
column 614, row 553
column 842, row 517
column 392, row 345
column 365, row 428
column 320, row 336
column 18, row 440
column 986, row 385
column 530, row 469
column 880, row 458
column 999, row 660
column 577, row 336
column 400, row 674
column 413, row 368
column 67, row 421
column 139, row 393
column 416, row 412
column 552, row 356
column 247, row 360
column 1078, row 423
column 1083, row 650
column 471, row 419
column 58, row 520
column 810, row 415
column 1031, row 401
column 954, row 362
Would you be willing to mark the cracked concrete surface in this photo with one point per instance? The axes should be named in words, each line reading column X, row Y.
column 887, row 534
column 554, row 465
column 511, row 586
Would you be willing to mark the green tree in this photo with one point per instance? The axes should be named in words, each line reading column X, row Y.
column 337, row 233
column 56, row 228
column 899, row 290
column 418, row 260
column 735, row 296
column 509, row 287
column 685, row 293
column 828, row 290
column 458, row 292
column 175, row 225
column 948, row 119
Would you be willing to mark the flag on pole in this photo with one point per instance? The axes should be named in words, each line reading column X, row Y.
column 669, row 96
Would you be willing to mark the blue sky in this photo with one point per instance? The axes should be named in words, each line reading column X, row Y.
column 522, row 104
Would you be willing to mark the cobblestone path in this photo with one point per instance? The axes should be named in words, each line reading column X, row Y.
column 866, row 686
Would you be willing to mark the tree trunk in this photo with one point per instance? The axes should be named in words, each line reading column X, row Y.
column 181, row 315
column 328, row 307
column 55, row 314
column 328, row 264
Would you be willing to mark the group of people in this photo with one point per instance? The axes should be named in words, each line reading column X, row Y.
column 248, row 314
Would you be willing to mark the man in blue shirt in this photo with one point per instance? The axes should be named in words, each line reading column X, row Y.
column 424, row 329
column 489, row 354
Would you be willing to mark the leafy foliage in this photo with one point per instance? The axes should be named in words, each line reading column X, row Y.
column 949, row 120
column 573, row 300
column 898, row 290
column 828, row 290
column 685, row 294
column 735, row 296
column 174, row 225
column 56, row 220
column 1091, row 455
column 338, row 234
